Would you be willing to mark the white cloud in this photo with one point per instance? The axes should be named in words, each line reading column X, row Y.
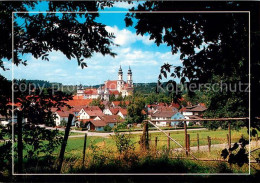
column 125, row 5
column 125, row 37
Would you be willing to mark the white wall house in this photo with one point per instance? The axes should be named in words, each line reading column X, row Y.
column 63, row 116
column 107, row 111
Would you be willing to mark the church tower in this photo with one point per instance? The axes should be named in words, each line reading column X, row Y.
column 120, row 82
column 129, row 78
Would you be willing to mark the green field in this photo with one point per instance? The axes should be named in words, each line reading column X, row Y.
column 75, row 144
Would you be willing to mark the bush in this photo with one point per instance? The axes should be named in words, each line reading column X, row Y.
column 107, row 128
column 63, row 123
column 190, row 123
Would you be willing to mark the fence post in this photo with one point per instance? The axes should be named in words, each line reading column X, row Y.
column 228, row 139
column 209, row 143
column 145, row 137
column 229, row 134
column 198, row 141
column 188, row 142
column 20, row 141
column 185, row 137
column 84, row 149
column 155, row 142
column 64, row 143
column 168, row 142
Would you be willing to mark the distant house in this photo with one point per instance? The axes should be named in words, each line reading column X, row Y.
column 117, row 103
column 122, row 113
column 177, row 115
column 4, row 121
column 63, row 116
column 90, row 112
column 110, row 111
column 98, row 123
column 193, row 112
column 196, row 110
column 162, row 115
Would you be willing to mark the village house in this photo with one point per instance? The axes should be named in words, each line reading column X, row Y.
column 63, row 116
column 122, row 113
column 166, row 115
column 194, row 112
column 89, row 112
column 111, row 111
column 98, row 123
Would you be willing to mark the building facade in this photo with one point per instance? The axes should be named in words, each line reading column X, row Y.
column 110, row 87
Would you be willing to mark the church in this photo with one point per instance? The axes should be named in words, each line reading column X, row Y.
column 110, row 87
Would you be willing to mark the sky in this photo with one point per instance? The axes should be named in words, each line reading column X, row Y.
column 136, row 51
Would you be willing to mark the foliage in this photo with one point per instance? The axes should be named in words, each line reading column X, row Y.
column 112, row 98
column 97, row 102
column 134, row 111
column 235, row 155
column 39, row 140
column 107, row 128
column 123, row 143
column 63, row 123
column 82, row 124
column 210, row 49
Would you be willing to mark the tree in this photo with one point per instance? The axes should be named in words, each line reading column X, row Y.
column 107, row 128
column 134, row 111
column 97, row 102
column 39, row 34
column 213, row 47
column 112, row 98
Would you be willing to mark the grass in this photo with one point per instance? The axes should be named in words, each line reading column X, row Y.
column 102, row 154
column 75, row 145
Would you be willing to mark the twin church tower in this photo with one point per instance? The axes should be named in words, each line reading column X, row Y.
column 110, row 87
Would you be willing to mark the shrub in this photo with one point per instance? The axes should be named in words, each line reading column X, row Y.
column 107, row 128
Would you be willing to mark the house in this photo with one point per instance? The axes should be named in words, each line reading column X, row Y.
column 110, row 111
column 63, row 116
column 118, row 103
column 193, row 112
column 163, row 115
column 90, row 112
column 4, row 121
column 122, row 113
column 177, row 115
column 98, row 123
column 196, row 110
column 111, row 120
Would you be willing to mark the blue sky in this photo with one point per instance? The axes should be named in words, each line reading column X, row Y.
column 138, row 52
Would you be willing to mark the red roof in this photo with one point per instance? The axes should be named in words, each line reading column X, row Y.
column 111, row 118
column 98, row 123
column 117, row 103
column 167, row 114
column 123, row 111
column 176, row 105
column 113, row 92
column 111, row 85
column 79, row 102
column 77, row 97
column 114, row 110
column 91, row 91
column 63, row 113
column 93, row 111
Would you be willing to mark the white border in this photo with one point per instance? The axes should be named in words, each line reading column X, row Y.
column 159, row 12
